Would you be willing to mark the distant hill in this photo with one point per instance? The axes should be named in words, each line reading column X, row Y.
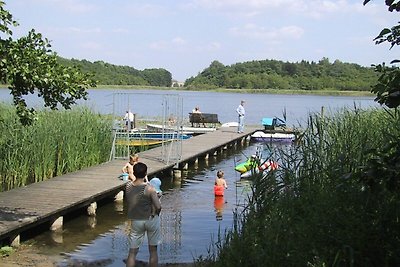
column 274, row 74
column 109, row 74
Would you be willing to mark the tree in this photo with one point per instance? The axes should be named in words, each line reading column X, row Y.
column 29, row 66
column 387, row 89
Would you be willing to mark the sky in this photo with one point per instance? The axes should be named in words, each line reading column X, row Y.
column 185, row 36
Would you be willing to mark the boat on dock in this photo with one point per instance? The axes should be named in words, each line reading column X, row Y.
column 275, row 130
column 185, row 129
column 145, row 138
column 262, row 136
column 159, row 135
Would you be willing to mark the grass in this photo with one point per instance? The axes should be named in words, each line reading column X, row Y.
column 57, row 143
column 316, row 210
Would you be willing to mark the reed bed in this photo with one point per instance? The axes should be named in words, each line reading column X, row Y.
column 318, row 209
column 58, row 142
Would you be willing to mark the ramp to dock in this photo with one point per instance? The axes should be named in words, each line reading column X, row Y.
column 46, row 202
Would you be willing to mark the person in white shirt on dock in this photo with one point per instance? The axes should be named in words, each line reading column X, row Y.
column 241, row 112
column 129, row 120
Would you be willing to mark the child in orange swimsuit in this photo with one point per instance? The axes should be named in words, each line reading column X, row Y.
column 220, row 184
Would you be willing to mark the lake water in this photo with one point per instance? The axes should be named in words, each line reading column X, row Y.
column 149, row 103
column 191, row 218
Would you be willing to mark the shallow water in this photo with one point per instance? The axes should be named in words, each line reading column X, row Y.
column 191, row 219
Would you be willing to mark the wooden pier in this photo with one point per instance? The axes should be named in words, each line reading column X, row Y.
column 45, row 203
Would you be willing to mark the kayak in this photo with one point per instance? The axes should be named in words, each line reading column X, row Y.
column 267, row 166
column 243, row 167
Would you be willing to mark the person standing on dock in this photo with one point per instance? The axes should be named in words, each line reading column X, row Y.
column 142, row 198
column 241, row 112
column 129, row 120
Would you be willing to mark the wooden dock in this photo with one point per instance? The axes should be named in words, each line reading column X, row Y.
column 47, row 202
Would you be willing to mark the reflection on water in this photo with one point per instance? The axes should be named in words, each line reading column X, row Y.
column 191, row 219
column 219, row 203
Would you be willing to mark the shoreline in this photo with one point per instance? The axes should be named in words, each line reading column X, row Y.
column 28, row 255
column 321, row 92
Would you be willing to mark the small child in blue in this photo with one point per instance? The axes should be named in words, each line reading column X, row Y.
column 156, row 183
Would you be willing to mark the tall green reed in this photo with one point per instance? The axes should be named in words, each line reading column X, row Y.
column 313, row 211
column 57, row 143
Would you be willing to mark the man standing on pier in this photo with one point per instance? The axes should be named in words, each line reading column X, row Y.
column 241, row 112
column 129, row 120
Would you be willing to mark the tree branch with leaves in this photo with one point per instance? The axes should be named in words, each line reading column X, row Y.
column 387, row 89
column 28, row 66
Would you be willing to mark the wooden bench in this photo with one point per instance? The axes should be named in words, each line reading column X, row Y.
column 203, row 118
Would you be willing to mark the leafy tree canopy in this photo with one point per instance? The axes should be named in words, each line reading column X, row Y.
column 29, row 66
column 387, row 89
column 109, row 74
column 276, row 74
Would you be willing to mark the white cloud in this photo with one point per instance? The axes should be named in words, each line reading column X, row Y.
column 145, row 10
column 306, row 8
column 179, row 44
column 213, row 46
column 253, row 31
column 80, row 30
column 120, row 30
column 165, row 45
column 159, row 45
column 179, row 41
column 72, row 6
column 91, row 46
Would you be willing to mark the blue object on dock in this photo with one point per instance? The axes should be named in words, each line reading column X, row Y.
column 270, row 123
column 267, row 121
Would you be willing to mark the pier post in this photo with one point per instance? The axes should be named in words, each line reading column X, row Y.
column 91, row 209
column 119, row 196
column 207, row 156
column 177, row 173
column 57, row 224
column 57, row 236
column 92, row 221
column 185, row 166
column 15, row 241
column 243, row 141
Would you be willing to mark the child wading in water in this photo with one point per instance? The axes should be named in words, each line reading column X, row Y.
column 220, row 184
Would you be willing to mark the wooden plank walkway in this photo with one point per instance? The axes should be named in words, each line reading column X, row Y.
column 44, row 202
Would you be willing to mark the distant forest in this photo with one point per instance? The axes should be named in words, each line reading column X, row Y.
column 260, row 74
column 109, row 74
column 274, row 74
